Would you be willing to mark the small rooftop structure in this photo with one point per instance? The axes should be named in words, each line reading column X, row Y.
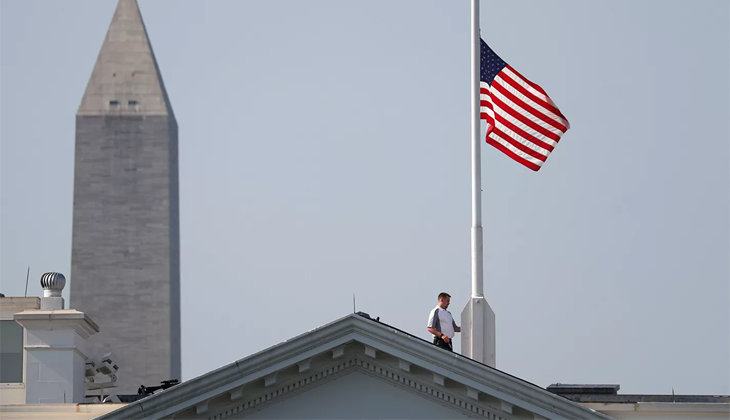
column 582, row 389
column 608, row 393
column 606, row 399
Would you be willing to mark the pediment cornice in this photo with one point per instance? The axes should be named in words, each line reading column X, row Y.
column 355, row 338
column 263, row 396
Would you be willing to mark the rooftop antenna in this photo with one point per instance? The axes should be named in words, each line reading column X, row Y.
column 26, row 281
column 353, row 304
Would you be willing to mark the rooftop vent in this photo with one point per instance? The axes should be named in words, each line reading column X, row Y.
column 602, row 389
column 53, row 284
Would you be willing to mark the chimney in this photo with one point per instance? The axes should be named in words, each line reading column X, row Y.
column 55, row 347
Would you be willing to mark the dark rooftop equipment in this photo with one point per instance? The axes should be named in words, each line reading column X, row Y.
column 149, row 390
column 602, row 389
column 367, row 316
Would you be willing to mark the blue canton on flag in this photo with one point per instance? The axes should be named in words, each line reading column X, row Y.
column 491, row 64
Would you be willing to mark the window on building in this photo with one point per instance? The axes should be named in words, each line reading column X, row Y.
column 132, row 103
column 11, row 352
column 113, row 103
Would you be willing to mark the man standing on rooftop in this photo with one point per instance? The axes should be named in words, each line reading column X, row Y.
column 441, row 324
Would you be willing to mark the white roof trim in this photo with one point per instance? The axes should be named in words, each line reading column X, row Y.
column 414, row 351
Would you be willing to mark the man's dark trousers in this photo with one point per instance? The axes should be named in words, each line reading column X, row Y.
column 439, row 342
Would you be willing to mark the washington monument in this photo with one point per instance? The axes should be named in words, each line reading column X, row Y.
column 125, row 264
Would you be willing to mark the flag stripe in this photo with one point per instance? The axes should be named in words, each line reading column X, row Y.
column 527, row 107
column 527, row 90
column 486, row 111
column 524, row 119
column 505, row 148
column 524, row 131
column 520, row 143
column 536, row 140
column 535, row 90
column 519, row 91
column 539, row 139
column 524, row 79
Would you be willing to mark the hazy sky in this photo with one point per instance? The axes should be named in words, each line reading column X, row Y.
column 324, row 151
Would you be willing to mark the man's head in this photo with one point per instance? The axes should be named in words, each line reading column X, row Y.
column 444, row 300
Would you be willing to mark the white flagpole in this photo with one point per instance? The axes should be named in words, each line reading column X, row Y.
column 477, row 257
column 478, row 338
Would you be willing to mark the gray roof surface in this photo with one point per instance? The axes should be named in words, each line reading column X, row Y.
column 608, row 393
column 641, row 398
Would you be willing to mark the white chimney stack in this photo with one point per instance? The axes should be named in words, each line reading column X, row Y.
column 55, row 347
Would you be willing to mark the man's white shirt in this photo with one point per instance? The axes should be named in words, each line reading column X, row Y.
column 445, row 321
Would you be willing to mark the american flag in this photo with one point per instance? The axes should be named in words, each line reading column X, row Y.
column 522, row 121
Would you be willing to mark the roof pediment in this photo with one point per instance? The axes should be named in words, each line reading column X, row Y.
column 330, row 355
